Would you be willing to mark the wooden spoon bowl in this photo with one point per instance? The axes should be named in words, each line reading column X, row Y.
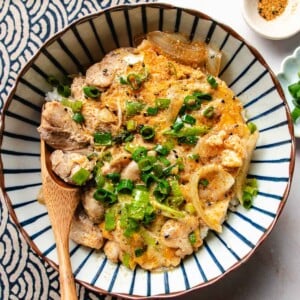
column 61, row 200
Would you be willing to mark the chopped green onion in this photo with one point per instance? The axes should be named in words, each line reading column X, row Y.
column 139, row 153
column 192, row 238
column 163, row 186
column 131, row 125
column 145, row 164
column 123, row 80
column 188, row 131
column 114, row 177
column 139, row 251
column 295, row 114
column 64, row 90
column 99, row 179
column 209, row 112
column 78, row 117
column 110, row 220
column 76, row 106
column 212, row 81
column 250, row 190
column 147, row 132
column 164, row 161
column 178, row 124
column 51, row 79
column 105, row 196
column 91, row 92
column 188, row 140
column 294, row 89
column 252, row 127
column 81, row 176
column 202, row 96
column 204, row 182
column 152, row 111
column 192, row 102
column 106, row 156
column 158, row 170
column 188, row 119
column 103, row 138
column 133, row 108
column 167, row 210
column 180, row 163
column 125, row 186
column 162, row 150
column 134, row 80
column 148, row 178
column 194, row 156
column 162, row 103
column 190, row 208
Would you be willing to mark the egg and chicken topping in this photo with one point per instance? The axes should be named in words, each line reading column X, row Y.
column 159, row 146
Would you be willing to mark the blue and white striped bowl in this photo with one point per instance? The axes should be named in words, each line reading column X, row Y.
column 85, row 42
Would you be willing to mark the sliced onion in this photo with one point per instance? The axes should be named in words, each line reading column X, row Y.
column 177, row 47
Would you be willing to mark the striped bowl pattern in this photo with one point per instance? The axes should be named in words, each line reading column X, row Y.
column 245, row 71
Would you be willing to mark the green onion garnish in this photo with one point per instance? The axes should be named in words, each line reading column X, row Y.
column 162, row 150
column 192, row 238
column 139, row 153
column 125, row 186
column 147, row 132
column 145, row 164
column 152, row 111
column 204, row 182
column 81, row 176
column 133, row 108
column 105, row 196
column 64, row 90
column 295, row 114
column 114, row 177
column 163, row 103
column 102, row 138
column 188, row 119
column 135, row 81
column 178, row 124
column 212, row 81
column 91, row 92
column 78, row 117
column 139, row 251
column 110, row 220
column 75, row 106
column 53, row 80
column 209, row 112
column 252, row 127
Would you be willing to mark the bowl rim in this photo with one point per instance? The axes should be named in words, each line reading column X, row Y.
column 166, row 6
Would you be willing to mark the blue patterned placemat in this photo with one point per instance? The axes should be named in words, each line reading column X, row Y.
column 24, row 27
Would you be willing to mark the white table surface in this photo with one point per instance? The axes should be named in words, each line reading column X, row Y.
column 273, row 272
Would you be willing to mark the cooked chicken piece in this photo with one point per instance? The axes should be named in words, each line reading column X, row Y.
column 175, row 234
column 118, row 162
column 76, row 87
column 58, row 129
column 230, row 159
column 93, row 208
column 98, row 119
column 66, row 164
column 84, row 232
column 131, row 171
column 112, row 251
column 214, row 182
column 103, row 73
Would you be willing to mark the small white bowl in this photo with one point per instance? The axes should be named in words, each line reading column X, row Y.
column 281, row 27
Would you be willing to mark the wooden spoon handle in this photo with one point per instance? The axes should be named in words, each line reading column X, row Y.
column 66, row 279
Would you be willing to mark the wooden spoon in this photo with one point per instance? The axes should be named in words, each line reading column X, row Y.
column 61, row 200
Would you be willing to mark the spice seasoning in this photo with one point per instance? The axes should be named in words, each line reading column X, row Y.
column 270, row 9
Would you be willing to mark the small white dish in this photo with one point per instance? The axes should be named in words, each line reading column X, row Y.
column 283, row 26
column 288, row 74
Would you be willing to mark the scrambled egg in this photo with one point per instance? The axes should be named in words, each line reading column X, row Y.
column 168, row 148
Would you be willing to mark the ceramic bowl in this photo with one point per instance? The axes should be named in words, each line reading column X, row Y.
column 281, row 27
column 288, row 74
column 245, row 71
